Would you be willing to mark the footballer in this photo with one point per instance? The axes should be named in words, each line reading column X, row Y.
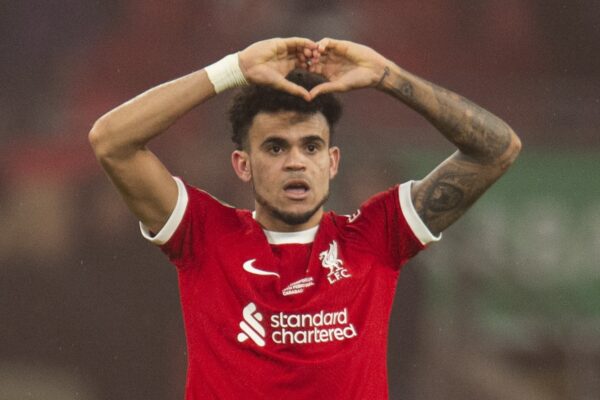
column 289, row 301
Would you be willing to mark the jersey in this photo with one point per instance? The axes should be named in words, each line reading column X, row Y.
column 302, row 315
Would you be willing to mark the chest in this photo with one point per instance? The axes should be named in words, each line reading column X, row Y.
column 316, row 298
column 294, row 274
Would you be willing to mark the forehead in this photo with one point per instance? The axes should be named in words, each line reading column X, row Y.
column 289, row 125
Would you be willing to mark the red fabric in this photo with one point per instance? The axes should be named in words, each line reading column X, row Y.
column 338, row 324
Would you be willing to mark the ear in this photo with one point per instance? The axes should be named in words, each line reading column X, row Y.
column 241, row 165
column 334, row 161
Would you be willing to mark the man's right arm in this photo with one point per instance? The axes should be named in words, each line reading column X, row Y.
column 119, row 141
column 119, row 138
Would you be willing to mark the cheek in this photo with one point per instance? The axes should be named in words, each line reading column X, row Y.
column 325, row 169
column 262, row 175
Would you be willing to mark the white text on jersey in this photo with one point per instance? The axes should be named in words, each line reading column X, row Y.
column 304, row 328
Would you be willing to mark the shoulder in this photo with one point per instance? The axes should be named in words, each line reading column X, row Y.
column 391, row 210
column 377, row 203
column 371, row 214
column 201, row 198
column 194, row 210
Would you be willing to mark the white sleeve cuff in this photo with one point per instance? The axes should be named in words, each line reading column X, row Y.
column 412, row 217
column 174, row 220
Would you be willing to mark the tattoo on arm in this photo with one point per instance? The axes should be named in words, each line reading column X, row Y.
column 386, row 72
column 487, row 146
column 406, row 90
column 401, row 90
column 474, row 130
column 442, row 197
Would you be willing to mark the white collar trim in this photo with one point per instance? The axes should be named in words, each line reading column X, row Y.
column 301, row 237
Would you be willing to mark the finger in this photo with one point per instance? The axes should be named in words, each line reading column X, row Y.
column 327, row 87
column 303, row 51
column 302, row 62
column 316, row 67
column 316, row 55
column 327, row 44
column 323, row 44
column 294, row 44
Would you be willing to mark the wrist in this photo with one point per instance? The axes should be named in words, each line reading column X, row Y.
column 398, row 82
column 388, row 73
column 226, row 73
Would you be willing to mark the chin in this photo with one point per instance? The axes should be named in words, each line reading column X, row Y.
column 293, row 214
column 295, row 218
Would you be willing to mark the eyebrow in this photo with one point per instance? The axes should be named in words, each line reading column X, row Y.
column 275, row 140
column 278, row 140
column 313, row 138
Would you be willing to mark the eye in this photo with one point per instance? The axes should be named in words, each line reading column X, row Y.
column 275, row 149
column 312, row 148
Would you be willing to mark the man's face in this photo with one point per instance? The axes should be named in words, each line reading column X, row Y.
column 289, row 162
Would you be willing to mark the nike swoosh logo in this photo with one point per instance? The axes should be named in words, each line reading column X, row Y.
column 248, row 267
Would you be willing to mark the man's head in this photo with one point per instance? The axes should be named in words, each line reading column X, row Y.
column 254, row 99
column 284, row 149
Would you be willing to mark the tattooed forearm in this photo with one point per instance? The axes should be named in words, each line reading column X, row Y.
column 401, row 89
column 487, row 146
column 474, row 130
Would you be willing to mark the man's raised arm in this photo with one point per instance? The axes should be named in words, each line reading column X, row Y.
column 119, row 137
column 486, row 145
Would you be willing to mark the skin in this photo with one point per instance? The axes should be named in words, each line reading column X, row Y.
column 119, row 137
column 486, row 145
column 286, row 148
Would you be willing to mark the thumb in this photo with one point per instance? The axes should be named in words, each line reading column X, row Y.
column 327, row 87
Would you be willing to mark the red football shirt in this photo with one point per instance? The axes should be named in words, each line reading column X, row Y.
column 303, row 315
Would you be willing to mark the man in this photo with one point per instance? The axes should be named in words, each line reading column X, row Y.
column 290, row 301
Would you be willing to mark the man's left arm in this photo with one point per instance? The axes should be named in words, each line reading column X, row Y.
column 487, row 146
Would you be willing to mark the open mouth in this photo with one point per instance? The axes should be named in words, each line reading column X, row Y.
column 296, row 189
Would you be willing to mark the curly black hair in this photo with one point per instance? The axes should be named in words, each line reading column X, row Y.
column 254, row 99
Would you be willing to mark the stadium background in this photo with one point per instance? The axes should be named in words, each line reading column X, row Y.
column 507, row 306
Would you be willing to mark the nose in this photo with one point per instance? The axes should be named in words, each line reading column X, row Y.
column 295, row 160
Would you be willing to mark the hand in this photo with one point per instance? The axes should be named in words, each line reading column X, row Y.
column 346, row 65
column 269, row 61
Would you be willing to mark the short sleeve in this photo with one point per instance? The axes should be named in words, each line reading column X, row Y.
column 174, row 220
column 183, row 238
column 390, row 225
column 414, row 221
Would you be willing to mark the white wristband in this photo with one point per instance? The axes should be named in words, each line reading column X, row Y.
column 226, row 73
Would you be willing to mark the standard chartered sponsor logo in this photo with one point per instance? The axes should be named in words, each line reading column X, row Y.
column 251, row 327
column 320, row 327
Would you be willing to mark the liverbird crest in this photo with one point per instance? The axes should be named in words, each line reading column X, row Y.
column 329, row 259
